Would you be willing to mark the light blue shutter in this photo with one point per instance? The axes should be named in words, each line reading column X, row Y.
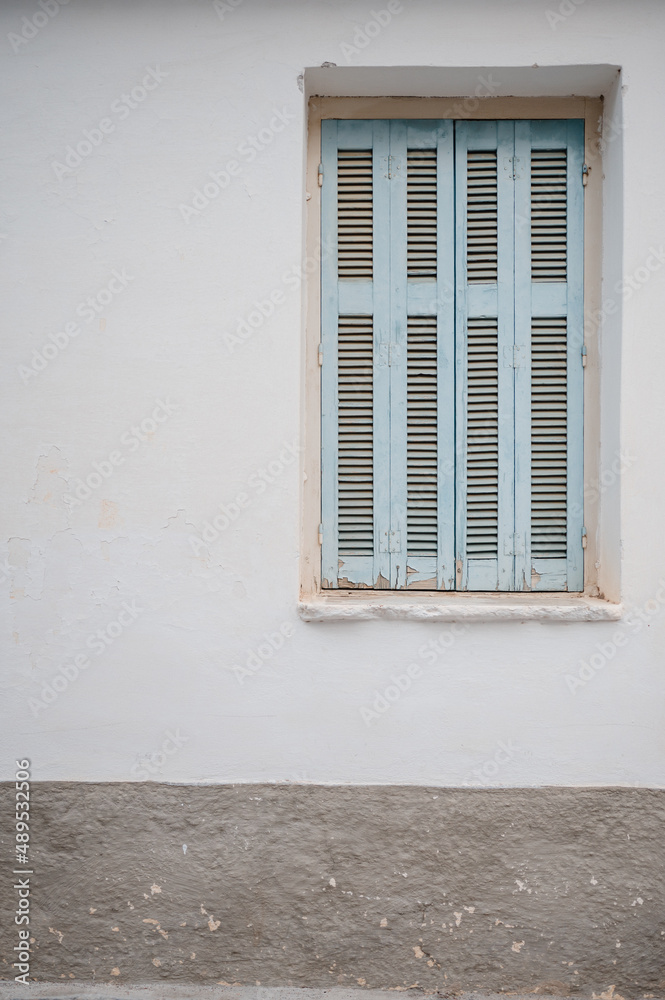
column 422, row 370
column 452, row 330
column 387, row 378
column 355, row 384
column 485, row 525
column 549, row 331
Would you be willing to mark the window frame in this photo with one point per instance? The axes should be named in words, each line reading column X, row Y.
column 590, row 109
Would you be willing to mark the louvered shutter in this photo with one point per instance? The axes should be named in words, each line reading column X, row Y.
column 549, row 332
column 388, row 354
column 355, row 388
column 452, row 326
column 422, row 372
column 484, row 197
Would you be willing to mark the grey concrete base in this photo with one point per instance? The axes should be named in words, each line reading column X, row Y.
column 552, row 891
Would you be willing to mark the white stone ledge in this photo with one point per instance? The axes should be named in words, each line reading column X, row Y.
column 366, row 605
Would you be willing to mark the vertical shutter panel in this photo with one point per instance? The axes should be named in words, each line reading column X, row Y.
column 484, row 355
column 423, row 379
column 355, row 467
column 549, row 331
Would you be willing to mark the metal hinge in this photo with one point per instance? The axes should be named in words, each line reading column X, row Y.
column 320, row 354
column 515, row 356
column 514, row 545
column 389, row 354
column 390, row 541
column 583, row 355
column 583, row 538
column 586, row 170
column 320, row 174
column 320, row 534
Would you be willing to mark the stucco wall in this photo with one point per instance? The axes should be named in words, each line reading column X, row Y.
column 550, row 891
column 152, row 382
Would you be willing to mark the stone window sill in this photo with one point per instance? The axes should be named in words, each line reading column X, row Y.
column 366, row 605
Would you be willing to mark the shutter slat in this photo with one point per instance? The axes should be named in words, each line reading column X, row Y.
column 482, row 216
column 421, row 213
column 549, row 435
column 355, row 478
column 549, row 213
column 355, row 215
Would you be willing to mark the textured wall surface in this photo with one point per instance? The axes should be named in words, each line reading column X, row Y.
column 122, row 616
column 152, row 236
column 557, row 889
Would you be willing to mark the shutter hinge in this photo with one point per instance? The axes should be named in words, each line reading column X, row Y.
column 320, row 534
column 390, row 541
column 320, row 354
column 513, row 545
column 320, row 175
column 586, row 170
column 583, row 538
column 389, row 354
column 515, row 356
column 583, row 355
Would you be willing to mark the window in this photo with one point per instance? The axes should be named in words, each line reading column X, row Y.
column 452, row 355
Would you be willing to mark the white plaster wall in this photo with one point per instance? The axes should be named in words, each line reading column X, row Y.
column 68, row 570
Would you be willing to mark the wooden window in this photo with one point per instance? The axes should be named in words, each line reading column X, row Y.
column 452, row 335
